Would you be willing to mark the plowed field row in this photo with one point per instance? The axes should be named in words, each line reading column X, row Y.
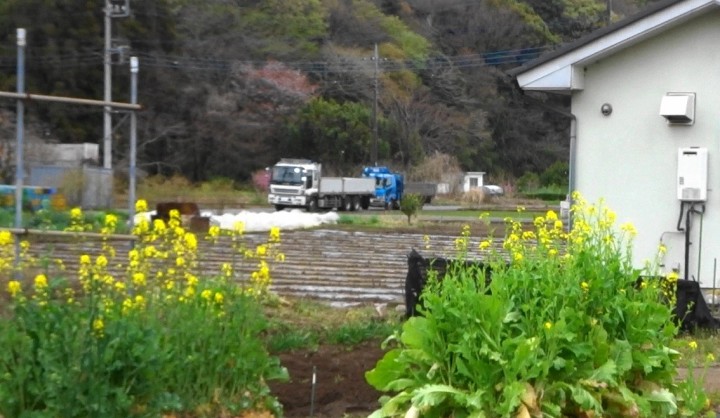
column 340, row 267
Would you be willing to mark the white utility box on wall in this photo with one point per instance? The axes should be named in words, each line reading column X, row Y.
column 692, row 174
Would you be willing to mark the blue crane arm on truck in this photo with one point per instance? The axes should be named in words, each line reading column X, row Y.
column 389, row 187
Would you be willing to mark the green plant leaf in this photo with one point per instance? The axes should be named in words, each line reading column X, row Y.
column 386, row 371
column 622, row 354
column 585, row 399
column 665, row 398
column 434, row 395
column 414, row 332
column 605, row 373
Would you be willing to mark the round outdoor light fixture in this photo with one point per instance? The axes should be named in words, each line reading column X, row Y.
column 606, row 109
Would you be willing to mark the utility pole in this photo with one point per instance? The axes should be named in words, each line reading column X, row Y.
column 20, row 127
column 609, row 12
column 134, row 68
column 375, row 105
column 113, row 9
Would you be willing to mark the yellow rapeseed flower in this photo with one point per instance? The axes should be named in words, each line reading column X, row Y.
column 41, row 282
column 191, row 279
column 159, row 226
column 214, row 231
column 139, row 279
column 14, row 288
column 629, row 228
column 190, row 240
column 219, row 298
column 6, row 238
column 551, row 216
column 76, row 213
column 98, row 327
column 226, row 269
column 548, row 325
column 484, row 244
column 139, row 301
column 710, row 357
column 693, row 345
column 111, row 220
column 206, row 294
column 141, row 205
column 101, row 261
column 239, row 227
column 274, row 234
column 261, row 250
column 585, row 286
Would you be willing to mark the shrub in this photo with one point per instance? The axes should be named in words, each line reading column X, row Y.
column 528, row 181
column 563, row 330
column 410, row 205
column 555, row 175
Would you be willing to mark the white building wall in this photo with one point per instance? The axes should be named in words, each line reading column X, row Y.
column 630, row 157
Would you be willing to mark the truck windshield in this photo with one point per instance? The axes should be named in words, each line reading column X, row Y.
column 288, row 175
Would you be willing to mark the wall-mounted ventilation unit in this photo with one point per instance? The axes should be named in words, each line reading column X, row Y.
column 692, row 174
column 678, row 108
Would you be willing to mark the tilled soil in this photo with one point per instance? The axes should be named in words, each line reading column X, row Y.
column 340, row 388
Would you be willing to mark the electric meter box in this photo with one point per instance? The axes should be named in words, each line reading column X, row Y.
column 692, row 174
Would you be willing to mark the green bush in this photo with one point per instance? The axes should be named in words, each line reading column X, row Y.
column 410, row 205
column 528, row 181
column 555, row 175
column 560, row 331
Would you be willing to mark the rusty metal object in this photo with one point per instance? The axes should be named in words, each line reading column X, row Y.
column 189, row 215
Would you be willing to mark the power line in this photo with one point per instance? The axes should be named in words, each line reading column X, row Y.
column 343, row 66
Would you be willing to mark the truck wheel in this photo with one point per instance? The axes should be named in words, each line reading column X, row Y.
column 355, row 204
column 279, row 207
column 365, row 203
column 312, row 205
column 395, row 204
column 347, row 204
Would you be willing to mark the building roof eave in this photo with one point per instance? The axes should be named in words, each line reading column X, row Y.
column 562, row 69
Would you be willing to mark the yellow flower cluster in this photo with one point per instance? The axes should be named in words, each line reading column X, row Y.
column 544, row 241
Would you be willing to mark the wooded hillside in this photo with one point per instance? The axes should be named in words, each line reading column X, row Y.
column 230, row 86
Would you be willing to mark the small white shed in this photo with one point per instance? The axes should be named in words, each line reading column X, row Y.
column 473, row 180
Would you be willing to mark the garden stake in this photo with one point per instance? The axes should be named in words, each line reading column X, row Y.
column 312, row 393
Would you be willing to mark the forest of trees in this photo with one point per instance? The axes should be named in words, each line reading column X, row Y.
column 230, row 86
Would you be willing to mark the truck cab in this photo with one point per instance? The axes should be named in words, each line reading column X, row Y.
column 294, row 183
column 389, row 187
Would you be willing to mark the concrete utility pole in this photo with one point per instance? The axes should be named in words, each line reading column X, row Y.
column 133, row 139
column 19, row 169
column 375, row 105
column 113, row 8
